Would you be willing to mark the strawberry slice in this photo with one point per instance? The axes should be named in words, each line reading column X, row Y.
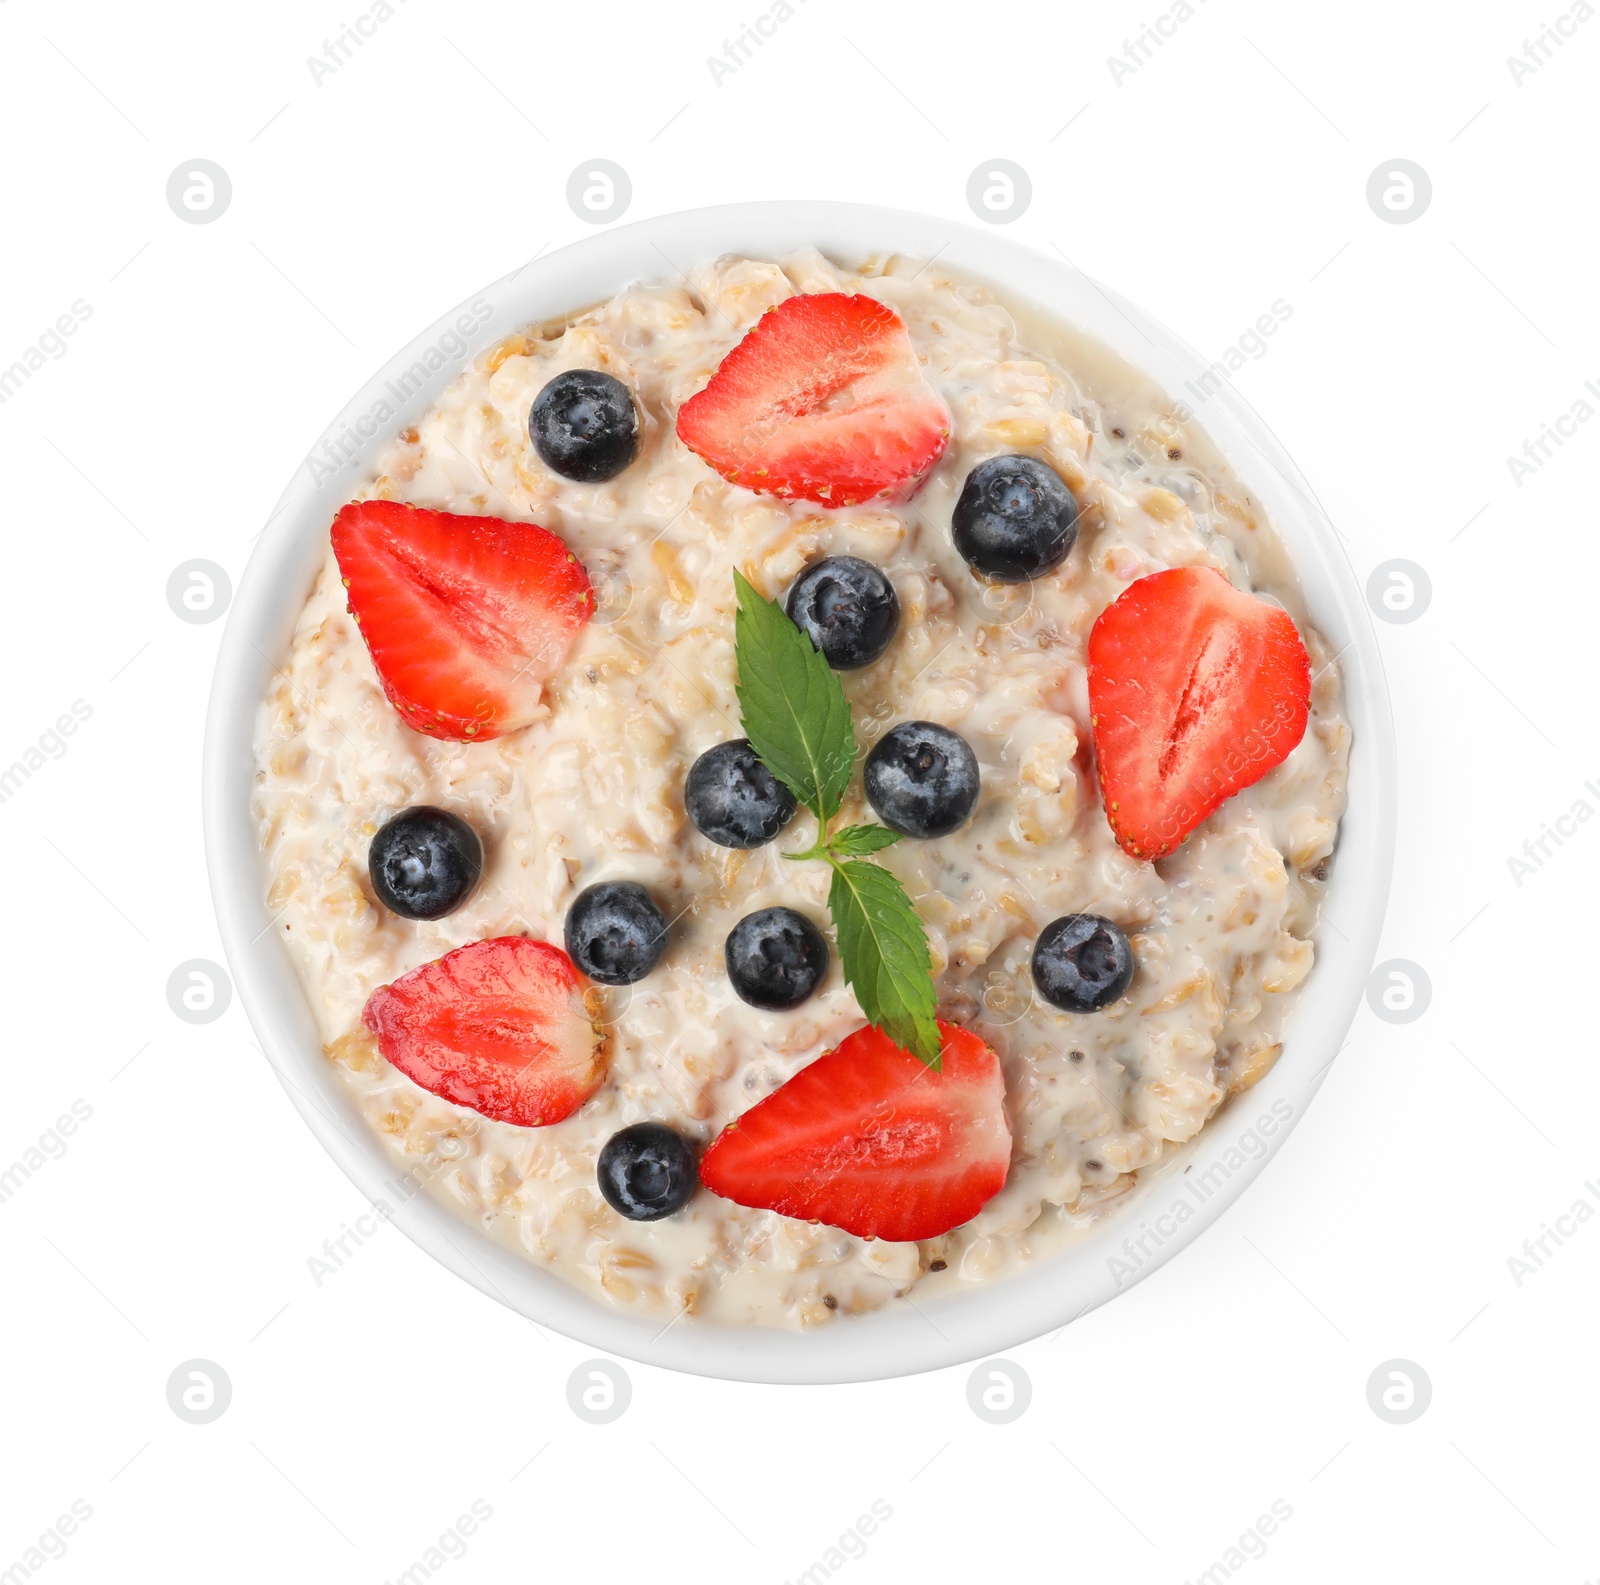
column 868, row 1139
column 823, row 400
column 498, row 1026
column 1196, row 691
column 466, row 617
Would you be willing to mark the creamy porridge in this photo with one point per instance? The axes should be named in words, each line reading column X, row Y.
column 592, row 791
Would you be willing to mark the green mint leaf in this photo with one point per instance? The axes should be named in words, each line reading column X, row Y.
column 856, row 842
column 884, row 954
column 794, row 709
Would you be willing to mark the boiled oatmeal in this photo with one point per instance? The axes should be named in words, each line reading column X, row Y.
column 576, row 985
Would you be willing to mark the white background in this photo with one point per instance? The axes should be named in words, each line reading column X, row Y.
column 1227, row 172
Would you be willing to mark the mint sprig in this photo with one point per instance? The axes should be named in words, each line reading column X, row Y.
column 798, row 721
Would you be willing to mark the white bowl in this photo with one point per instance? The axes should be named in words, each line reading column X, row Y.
column 900, row 1338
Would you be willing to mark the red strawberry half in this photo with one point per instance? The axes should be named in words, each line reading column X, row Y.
column 823, row 400
column 466, row 617
column 1196, row 691
column 868, row 1139
column 498, row 1026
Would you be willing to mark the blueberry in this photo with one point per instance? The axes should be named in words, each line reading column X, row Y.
column 584, row 425
column 647, row 1171
column 922, row 779
column 1082, row 963
column 615, row 932
column 734, row 799
column 847, row 608
column 776, row 958
column 424, row 863
column 1015, row 519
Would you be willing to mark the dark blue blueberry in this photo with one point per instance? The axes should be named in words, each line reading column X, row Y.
column 1015, row 520
column 424, row 863
column 1082, row 963
column 615, row 932
column 585, row 426
column 847, row 608
column 647, row 1171
column 922, row 779
column 776, row 958
column 734, row 799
